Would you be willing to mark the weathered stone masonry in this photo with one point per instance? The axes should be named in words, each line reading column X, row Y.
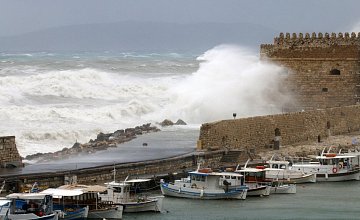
column 9, row 155
column 323, row 69
column 255, row 132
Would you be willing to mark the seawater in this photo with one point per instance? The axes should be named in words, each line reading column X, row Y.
column 49, row 101
column 331, row 201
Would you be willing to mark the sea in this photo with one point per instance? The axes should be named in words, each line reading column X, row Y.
column 315, row 201
column 50, row 100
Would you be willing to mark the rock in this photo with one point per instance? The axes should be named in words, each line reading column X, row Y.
column 166, row 122
column 180, row 122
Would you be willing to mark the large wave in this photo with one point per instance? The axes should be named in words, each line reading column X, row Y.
column 51, row 109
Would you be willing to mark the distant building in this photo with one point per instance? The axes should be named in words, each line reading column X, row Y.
column 9, row 155
column 323, row 70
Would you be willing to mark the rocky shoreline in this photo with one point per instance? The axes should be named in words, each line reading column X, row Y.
column 102, row 142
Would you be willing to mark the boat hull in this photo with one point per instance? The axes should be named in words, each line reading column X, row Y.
column 111, row 213
column 194, row 193
column 77, row 214
column 337, row 177
column 284, row 189
column 31, row 216
column 260, row 191
column 153, row 204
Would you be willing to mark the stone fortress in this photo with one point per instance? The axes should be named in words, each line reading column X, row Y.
column 322, row 75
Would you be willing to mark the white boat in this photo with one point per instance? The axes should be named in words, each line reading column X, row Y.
column 118, row 193
column 61, row 197
column 90, row 197
column 283, row 188
column 331, row 167
column 282, row 171
column 255, row 180
column 205, row 184
column 30, row 206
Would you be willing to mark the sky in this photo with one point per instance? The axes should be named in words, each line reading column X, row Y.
column 22, row 16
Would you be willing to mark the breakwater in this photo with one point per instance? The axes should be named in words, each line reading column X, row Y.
column 159, row 168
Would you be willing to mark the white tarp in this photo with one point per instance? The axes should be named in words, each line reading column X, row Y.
column 59, row 193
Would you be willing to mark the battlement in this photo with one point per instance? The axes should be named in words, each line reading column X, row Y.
column 314, row 40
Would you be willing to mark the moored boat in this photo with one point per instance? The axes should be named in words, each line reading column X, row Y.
column 282, row 171
column 31, row 206
column 119, row 193
column 331, row 167
column 206, row 184
column 255, row 180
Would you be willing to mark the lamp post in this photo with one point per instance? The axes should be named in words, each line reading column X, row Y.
column 234, row 115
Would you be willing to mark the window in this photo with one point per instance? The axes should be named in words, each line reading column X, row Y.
column 325, row 90
column 275, row 166
column 334, row 72
column 282, row 166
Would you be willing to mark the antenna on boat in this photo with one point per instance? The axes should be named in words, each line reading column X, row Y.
column 340, row 151
column 127, row 177
column 272, row 157
column 246, row 163
column 322, row 152
column 329, row 149
column 198, row 166
column 114, row 173
column 2, row 187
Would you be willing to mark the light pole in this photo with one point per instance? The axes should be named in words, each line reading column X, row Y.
column 234, row 115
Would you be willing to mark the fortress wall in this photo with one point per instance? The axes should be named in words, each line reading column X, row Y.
column 9, row 155
column 256, row 132
column 309, row 61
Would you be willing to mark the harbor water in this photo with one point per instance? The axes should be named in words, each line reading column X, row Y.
column 336, row 200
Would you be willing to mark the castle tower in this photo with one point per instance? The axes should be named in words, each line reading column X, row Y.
column 9, row 155
column 322, row 70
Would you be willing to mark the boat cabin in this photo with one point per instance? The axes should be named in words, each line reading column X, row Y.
column 278, row 164
column 253, row 175
column 37, row 203
column 214, row 180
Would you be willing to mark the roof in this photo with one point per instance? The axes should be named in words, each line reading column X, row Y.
column 4, row 201
column 84, row 188
column 215, row 173
column 337, row 157
column 277, row 162
column 27, row 196
column 59, row 193
column 250, row 170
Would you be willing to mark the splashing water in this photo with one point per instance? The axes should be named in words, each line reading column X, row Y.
column 50, row 103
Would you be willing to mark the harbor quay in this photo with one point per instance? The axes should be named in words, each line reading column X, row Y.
column 167, row 168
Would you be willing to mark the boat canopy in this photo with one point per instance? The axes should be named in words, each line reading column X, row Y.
column 215, row 174
column 4, row 202
column 250, row 170
column 59, row 193
column 335, row 157
column 84, row 188
column 27, row 196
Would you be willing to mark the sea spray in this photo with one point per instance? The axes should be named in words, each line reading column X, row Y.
column 49, row 104
column 229, row 80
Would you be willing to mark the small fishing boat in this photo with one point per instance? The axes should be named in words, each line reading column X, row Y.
column 64, row 207
column 119, row 193
column 206, row 184
column 282, row 171
column 255, row 180
column 331, row 167
column 90, row 197
column 31, row 206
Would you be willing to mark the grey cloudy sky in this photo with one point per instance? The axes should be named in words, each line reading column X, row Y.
column 21, row 16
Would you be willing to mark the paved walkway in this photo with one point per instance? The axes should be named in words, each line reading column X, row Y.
column 161, row 144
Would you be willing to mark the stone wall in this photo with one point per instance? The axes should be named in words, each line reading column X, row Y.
column 99, row 175
column 256, row 132
column 9, row 155
column 321, row 70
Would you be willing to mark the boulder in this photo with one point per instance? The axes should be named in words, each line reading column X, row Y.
column 180, row 122
column 166, row 122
